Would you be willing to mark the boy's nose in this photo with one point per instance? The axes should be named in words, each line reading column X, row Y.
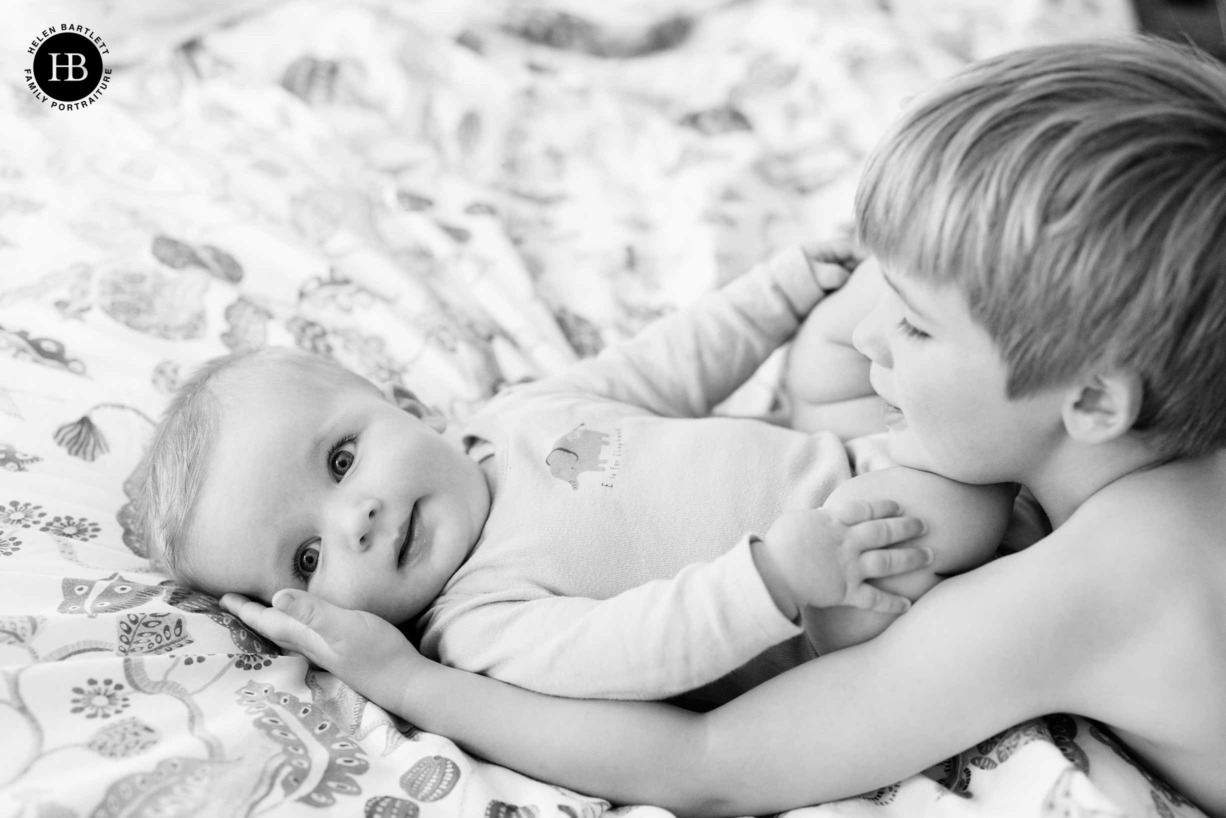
column 869, row 337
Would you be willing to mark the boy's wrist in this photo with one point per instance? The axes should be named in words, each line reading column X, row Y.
column 398, row 684
column 773, row 578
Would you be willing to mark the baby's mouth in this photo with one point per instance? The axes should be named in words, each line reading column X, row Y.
column 410, row 529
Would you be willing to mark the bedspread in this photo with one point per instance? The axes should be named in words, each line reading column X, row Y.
column 445, row 196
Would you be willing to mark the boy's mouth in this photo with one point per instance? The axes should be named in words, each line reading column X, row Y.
column 410, row 529
column 889, row 412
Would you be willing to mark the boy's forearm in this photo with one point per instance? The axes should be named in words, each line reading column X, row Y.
column 629, row 752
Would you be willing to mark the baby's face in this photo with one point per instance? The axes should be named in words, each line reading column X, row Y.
column 321, row 483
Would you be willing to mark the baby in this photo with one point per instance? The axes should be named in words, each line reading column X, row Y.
column 599, row 522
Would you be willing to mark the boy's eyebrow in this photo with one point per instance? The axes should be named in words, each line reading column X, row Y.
column 902, row 296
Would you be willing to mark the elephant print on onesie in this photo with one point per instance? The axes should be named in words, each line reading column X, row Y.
column 579, row 450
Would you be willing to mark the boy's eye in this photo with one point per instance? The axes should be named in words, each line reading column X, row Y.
column 910, row 330
column 306, row 561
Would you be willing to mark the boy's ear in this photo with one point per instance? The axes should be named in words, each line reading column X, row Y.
column 1103, row 407
column 409, row 402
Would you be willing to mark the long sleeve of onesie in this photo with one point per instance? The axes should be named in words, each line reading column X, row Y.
column 651, row 641
column 686, row 363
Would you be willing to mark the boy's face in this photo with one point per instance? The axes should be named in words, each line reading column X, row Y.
column 945, row 383
column 319, row 482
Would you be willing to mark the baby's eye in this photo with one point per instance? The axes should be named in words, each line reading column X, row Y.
column 341, row 457
column 341, row 461
column 306, row 561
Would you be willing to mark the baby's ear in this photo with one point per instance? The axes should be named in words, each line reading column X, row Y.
column 406, row 400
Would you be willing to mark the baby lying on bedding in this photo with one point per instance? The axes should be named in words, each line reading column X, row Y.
column 591, row 534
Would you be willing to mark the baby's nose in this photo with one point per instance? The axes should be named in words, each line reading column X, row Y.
column 358, row 524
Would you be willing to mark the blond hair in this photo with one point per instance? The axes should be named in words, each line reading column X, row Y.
column 1076, row 195
column 174, row 467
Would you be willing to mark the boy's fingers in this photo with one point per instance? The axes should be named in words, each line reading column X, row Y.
column 298, row 605
column 245, row 609
column 272, row 623
column 888, row 562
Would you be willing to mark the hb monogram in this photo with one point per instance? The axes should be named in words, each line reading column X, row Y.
column 72, row 64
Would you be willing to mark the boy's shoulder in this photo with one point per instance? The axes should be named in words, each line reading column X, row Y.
column 1158, row 531
column 1148, row 557
column 1144, row 551
column 1171, row 508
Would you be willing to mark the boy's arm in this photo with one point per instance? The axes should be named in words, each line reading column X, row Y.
column 686, row 363
column 1017, row 638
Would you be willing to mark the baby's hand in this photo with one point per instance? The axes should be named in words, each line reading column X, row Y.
column 832, row 261
column 354, row 645
column 869, row 453
column 823, row 556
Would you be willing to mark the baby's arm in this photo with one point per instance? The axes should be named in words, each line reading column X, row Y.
column 686, row 363
column 826, row 378
column 673, row 635
column 965, row 524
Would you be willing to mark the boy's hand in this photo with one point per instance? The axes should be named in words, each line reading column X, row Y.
column 354, row 645
column 823, row 557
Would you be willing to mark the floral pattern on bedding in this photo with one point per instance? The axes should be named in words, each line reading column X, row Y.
column 408, row 189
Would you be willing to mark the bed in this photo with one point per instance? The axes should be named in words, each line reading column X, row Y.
column 448, row 196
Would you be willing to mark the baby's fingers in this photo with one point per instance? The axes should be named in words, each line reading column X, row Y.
column 829, row 277
column 888, row 562
column 886, row 531
column 871, row 598
column 840, row 251
column 854, row 512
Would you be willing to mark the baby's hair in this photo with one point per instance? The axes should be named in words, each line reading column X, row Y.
column 1076, row 195
column 174, row 467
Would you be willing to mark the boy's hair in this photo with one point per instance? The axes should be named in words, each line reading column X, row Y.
column 1076, row 195
column 175, row 465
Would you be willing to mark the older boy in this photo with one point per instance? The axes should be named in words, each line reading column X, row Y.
column 594, row 534
column 1051, row 226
